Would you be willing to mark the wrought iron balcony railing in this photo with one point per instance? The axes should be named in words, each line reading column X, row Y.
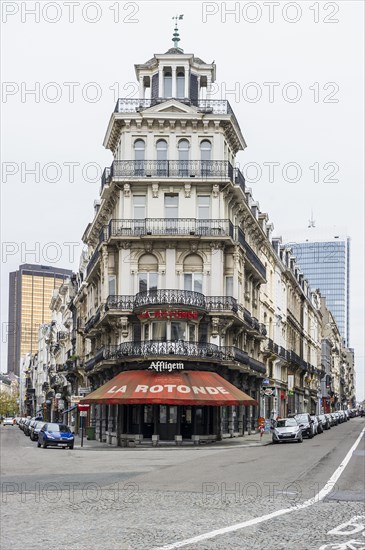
column 92, row 321
column 221, row 303
column 157, row 348
column 239, row 179
column 62, row 335
column 172, row 297
column 93, row 260
column 170, row 226
column 204, row 169
column 125, row 302
column 254, row 260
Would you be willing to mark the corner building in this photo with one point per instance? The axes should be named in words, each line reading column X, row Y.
column 172, row 283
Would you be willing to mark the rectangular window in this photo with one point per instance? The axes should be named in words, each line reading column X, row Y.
column 178, row 330
column 203, row 207
column 171, row 206
column 159, row 331
column 193, row 281
column 229, row 286
column 112, row 285
column 139, row 207
column 147, row 281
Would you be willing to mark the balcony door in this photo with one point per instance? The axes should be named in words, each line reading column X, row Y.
column 162, row 163
column 139, row 213
column 171, row 213
column 183, row 149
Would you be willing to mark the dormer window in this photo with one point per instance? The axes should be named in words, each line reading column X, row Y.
column 167, row 83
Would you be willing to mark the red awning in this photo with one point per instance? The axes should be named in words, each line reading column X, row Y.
column 176, row 388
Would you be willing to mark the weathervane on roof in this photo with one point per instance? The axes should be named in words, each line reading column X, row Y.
column 176, row 37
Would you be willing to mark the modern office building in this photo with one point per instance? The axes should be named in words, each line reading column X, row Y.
column 325, row 262
column 30, row 293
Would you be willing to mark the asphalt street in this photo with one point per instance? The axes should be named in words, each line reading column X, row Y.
column 160, row 498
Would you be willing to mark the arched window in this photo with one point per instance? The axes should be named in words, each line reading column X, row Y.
column 183, row 150
column 180, row 84
column 167, row 83
column 147, row 273
column 162, row 164
column 139, row 157
column 205, row 156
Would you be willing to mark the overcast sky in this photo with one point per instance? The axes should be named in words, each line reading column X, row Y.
column 292, row 72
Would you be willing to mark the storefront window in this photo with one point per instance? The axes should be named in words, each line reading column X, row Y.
column 173, row 415
column 148, row 414
column 163, row 414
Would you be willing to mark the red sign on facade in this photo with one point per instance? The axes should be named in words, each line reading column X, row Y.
column 169, row 314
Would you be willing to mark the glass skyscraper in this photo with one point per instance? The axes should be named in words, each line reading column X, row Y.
column 326, row 265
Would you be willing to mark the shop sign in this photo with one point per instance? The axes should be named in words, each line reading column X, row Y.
column 75, row 398
column 170, row 388
column 169, row 314
column 163, row 366
column 270, row 392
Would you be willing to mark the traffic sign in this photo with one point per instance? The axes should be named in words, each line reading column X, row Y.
column 83, row 413
column 83, row 406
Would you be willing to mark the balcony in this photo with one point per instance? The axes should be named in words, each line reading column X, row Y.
column 176, row 169
column 125, row 302
column 92, row 321
column 221, row 303
column 162, row 227
column 184, row 349
column 62, row 335
column 254, row 260
column 208, row 106
column 171, row 297
column 92, row 262
column 239, row 179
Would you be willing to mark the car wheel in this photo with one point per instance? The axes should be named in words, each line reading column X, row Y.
column 310, row 435
column 44, row 445
column 300, row 440
column 38, row 444
column 71, row 447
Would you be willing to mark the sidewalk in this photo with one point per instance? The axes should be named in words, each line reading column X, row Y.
column 253, row 440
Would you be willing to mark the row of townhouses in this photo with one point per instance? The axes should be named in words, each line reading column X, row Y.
column 183, row 285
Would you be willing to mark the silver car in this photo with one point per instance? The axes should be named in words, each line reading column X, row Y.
column 287, row 429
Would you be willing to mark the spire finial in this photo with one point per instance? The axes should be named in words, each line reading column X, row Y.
column 176, row 37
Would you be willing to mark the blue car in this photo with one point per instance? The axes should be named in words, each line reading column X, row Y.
column 55, row 435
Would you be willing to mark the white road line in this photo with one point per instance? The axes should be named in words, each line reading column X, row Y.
column 319, row 496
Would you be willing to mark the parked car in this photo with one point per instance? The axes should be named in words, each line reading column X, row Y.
column 315, row 424
column 286, row 429
column 8, row 421
column 35, row 428
column 325, row 421
column 306, row 424
column 320, row 428
column 55, row 435
column 335, row 420
column 26, row 426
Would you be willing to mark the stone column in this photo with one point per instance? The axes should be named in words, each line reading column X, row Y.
column 141, row 88
column 186, row 81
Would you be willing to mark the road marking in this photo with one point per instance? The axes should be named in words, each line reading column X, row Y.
column 236, row 527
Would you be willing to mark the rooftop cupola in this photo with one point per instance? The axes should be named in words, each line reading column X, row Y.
column 175, row 74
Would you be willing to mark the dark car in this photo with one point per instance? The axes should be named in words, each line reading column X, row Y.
column 55, row 435
column 35, row 428
column 306, row 424
column 26, row 426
